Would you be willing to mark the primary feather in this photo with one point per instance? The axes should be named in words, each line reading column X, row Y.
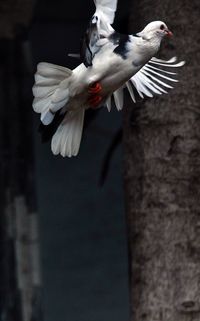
column 99, row 28
column 106, row 9
column 110, row 59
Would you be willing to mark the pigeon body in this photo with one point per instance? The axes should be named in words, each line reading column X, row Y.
column 111, row 61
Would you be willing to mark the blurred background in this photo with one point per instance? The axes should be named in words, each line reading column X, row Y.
column 63, row 235
column 63, row 249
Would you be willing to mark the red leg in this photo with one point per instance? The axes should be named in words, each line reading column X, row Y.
column 94, row 94
column 95, row 88
column 94, row 100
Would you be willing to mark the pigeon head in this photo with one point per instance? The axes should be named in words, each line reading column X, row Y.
column 155, row 29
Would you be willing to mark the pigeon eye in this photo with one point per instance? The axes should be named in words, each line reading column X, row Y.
column 162, row 27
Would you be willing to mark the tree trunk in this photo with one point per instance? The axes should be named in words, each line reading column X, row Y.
column 20, row 284
column 162, row 177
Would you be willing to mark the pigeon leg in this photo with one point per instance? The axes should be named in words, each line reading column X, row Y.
column 94, row 101
column 95, row 88
column 94, row 98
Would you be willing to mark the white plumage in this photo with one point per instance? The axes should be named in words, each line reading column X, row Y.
column 67, row 138
column 111, row 62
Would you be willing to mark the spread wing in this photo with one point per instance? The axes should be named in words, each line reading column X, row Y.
column 154, row 78
column 106, row 9
column 98, row 30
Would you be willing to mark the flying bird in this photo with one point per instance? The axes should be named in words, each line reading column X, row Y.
column 110, row 62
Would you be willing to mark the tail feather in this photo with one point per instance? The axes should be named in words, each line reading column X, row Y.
column 40, row 104
column 52, row 94
column 66, row 140
column 60, row 94
column 47, row 117
column 43, row 91
column 48, row 96
column 48, row 70
column 45, row 81
column 47, row 132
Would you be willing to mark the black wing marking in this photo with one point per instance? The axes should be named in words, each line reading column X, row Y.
column 121, row 41
column 88, row 47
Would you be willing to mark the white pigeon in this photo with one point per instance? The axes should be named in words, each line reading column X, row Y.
column 111, row 61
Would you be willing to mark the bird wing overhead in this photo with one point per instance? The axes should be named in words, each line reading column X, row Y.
column 106, row 9
column 98, row 30
column 154, row 78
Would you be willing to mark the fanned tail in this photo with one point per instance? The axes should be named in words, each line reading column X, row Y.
column 50, row 90
column 51, row 95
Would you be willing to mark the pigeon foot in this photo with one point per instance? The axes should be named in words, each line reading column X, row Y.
column 94, row 98
column 94, row 101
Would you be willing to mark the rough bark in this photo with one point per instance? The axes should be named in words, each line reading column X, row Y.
column 20, row 284
column 162, row 178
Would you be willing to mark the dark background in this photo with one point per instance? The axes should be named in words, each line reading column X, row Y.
column 83, row 232
column 82, row 225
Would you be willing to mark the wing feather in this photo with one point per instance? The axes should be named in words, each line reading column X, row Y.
column 119, row 98
column 153, row 77
column 107, row 9
column 99, row 29
column 109, row 103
